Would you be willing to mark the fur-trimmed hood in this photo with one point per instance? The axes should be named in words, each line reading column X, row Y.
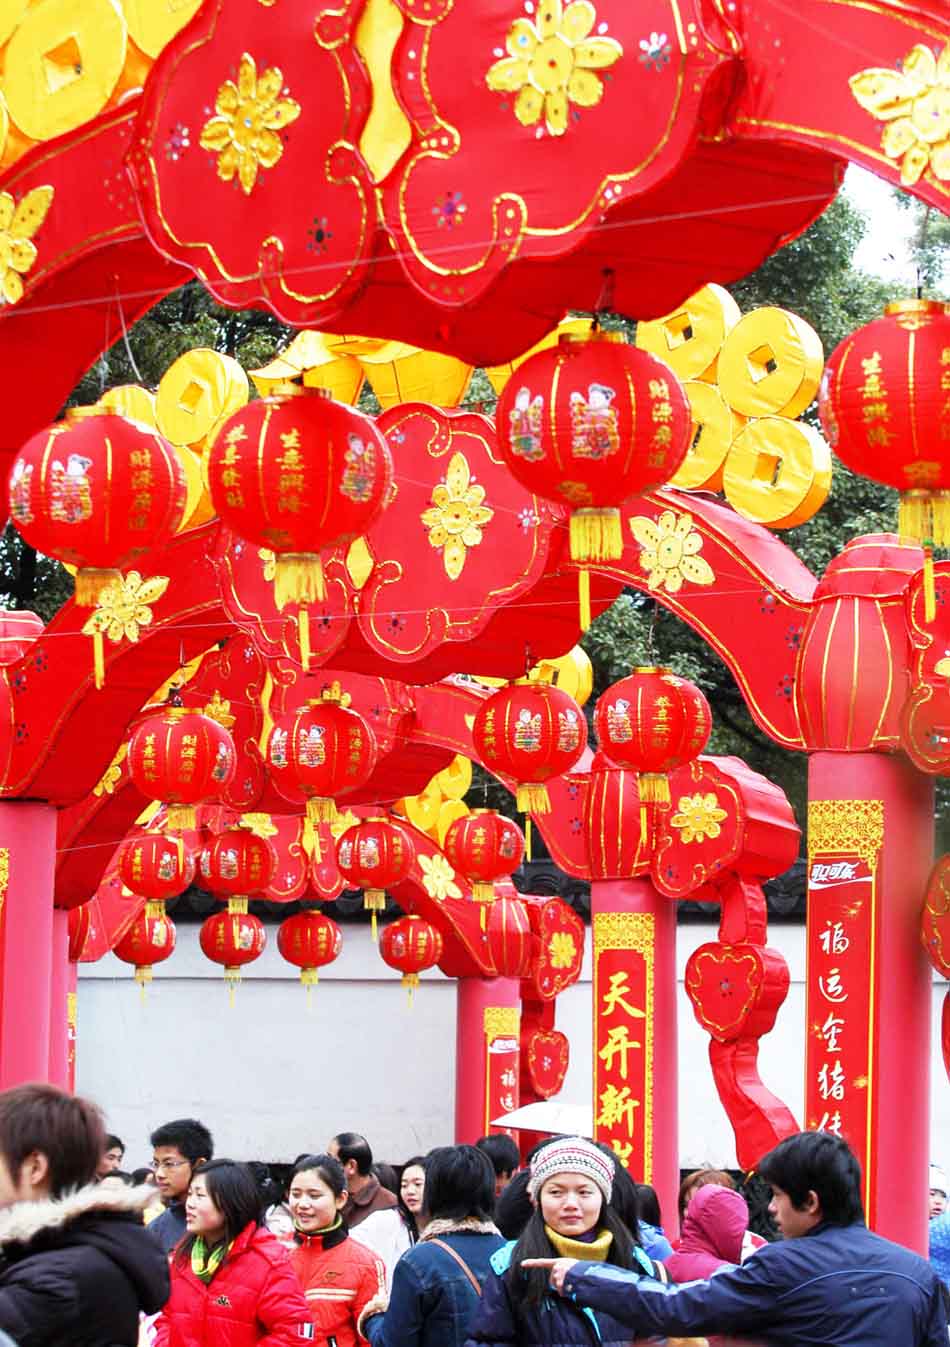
column 467, row 1226
column 25, row 1221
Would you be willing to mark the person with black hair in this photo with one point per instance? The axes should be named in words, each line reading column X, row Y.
column 652, row 1235
column 232, row 1284
column 504, row 1156
column 436, row 1285
column 370, row 1213
column 828, row 1283
column 111, row 1157
column 339, row 1275
column 412, row 1185
column 570, row 1186
column 178, row 1148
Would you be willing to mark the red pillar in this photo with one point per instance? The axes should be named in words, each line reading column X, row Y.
column 60, row 986
column 635, row 1090
column 488, row 1024
column 28, row 855
column 867, row 1063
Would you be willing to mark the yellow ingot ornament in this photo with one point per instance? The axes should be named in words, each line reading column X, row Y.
column 778, row 472
column 715, row 426
column 197, row 394
column 153, row 23
column 313, row 355
column 690, row 339
column 132, row 401
column 771, row 364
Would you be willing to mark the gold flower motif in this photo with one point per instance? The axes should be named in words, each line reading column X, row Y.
column 261, row 825
column 915, row 102
column 456, row 516
column 18, row 224
column 562, row 949
column 698, row 817
column 551, row 63
column 243, row 134
column 123, row 607
column 438, row 878
column 113, row 773
column 671, row 548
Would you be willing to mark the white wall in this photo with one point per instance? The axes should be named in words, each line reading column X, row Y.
column 273, row 1078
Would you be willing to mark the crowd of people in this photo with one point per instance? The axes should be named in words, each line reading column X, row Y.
column 462, row 1247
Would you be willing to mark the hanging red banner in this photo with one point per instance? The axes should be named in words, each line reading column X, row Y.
column 502, row 1063
column 844, row 838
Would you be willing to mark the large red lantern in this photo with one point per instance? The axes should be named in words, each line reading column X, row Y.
column 309, row 940
column 181, row 757
column 652, row 721
column 509, row 937
column 148, row 941
column 484, row 846
column 233, row 940
column 374, row 856
column 156, row 867
column 321, row 750
column 411, row 945
column 530, row 732
column 296, row 473
column 236, row 863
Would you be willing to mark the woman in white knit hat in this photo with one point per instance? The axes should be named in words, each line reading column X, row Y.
column 570, row 1188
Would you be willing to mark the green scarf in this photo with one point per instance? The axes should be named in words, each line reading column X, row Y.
column 595, row 1251
column 205, row 1265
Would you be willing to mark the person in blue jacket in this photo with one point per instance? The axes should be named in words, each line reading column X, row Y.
column 828, row 1283
column 570, row 1185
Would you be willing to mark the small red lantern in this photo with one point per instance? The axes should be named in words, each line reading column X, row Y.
column 232, row 940
column 589, row 423
column 237, row 863
column 531, row 732
column 181, row 757
column 322, row 750
column 374, row 856
column 411, row 945
column 484, row 846
column 148, row 941
column 652, row 721
column 295, row 473
column 509, row 937
column 156, row 867
column 80, row 920
column 309, row 940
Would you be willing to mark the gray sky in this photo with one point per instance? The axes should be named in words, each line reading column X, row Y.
column 884, row 248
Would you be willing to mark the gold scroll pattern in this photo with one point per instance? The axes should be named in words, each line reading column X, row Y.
column 501, row 1022
column 846, row 826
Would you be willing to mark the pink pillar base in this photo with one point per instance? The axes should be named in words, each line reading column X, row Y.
column 28, row 846
column 487, row 1024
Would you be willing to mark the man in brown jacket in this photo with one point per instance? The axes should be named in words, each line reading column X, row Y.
column 371, row 1213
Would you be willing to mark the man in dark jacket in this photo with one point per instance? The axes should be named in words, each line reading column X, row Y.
column 829, row 1283
column 77, row 1265
column 177, row 1149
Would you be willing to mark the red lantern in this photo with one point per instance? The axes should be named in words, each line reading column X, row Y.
column 148, row 941
column 484, row 846
column 156, row 867
column 589, row 423
column 374, row 856
column 232, row 940
column 80, row 919
column 652, row 721
column 236, row 863
column 181, row 757
column 296, row 473
column 509, row 937
column 309, row 940
column 322, row 750
column 531, row 732
column 411, row 945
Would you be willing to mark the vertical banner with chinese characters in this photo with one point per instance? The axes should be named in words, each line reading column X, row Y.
column 502, row 1062
column 844, row 839
column 624, row 968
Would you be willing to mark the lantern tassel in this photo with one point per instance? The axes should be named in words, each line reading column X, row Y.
column 298, row 578
column 155, row 908
column 527, row 838
column 322, row 810
column 654, row 788
column 309, row 977
column 583, row 598
column 181, row 818
column 930, row 588
column 410, row 981
column 143, row 976
column 98, row 660
column 374, row 901
column 311, row 834
column 482, row 892
column 596, row 535
column 303, row 634
column 232, row 976
column 644, row 824
column 237, row 905
column 90, row 582
column 533, row 798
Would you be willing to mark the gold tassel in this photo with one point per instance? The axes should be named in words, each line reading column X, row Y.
column 321, row 809
column 311, row 835
column 303, row 634
column 374, row 901
column 155, row 908
column 98, row 660
column 940, row 510
column 527, row 838
column 930, row 589
column 237, row 906
column 644, row 823
column 232, row 977
column 533, row 798
column 583, row 598
column 654, row 787
column 924, row 517
column 90, row 583
column 143, row 976
column 181, row 818
column 298, row 578
column 596, row 535
column 410, row 981
column 482, row 892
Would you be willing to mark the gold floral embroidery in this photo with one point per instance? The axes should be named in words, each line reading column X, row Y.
column 562, row 949
column 551, row 64
column 18, row 224
column 698, row 817
column 261, row 825
column 124, row 607
column 438, row 878
column 249, row 114
column 671, row 548
column 915, row 103
column 112, row 775
column 457, row 516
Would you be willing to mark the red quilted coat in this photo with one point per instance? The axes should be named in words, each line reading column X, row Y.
column 339, row 1278
column 254, row 1298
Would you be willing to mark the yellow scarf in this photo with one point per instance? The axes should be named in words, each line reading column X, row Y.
column 595, row 1251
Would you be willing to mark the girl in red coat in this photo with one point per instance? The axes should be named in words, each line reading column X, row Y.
column 339, row 1276
column 232, row 1283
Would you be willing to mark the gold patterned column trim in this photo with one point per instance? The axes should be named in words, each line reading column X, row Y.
column 71, row 1009
column 4, row 875
column 502, row 1022
column 841, row 826
column 624, row 930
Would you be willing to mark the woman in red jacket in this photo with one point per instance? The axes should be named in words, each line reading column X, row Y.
column 232, row 1283
column 339, row 1276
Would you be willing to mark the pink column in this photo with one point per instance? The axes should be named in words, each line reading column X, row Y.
column 488, row 1023
column 635, row 1047
column 60, row 986
column 867, row 1065
column 27, row 861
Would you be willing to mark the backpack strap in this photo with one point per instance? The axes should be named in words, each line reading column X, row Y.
column 476, row 1284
